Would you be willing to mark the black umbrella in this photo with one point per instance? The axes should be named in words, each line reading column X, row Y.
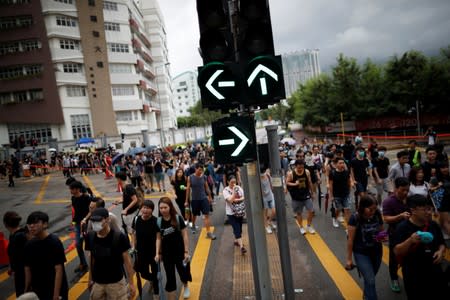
column 116, row 158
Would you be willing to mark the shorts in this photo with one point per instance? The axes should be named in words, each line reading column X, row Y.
column 297, row 206
column 342, row 202
column 113, row 291
column 269, row 203
column 200, row 206
column 159, row 177
column 361, row 187
column 384, row 186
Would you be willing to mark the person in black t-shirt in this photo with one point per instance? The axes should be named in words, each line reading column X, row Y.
column 44, row 261
column 172, row 247
column 380, row 173
column 339, row 189
column 109, row 258
column 130, row 201
column 17, row 240
column 145, row 229
column 420, row 259
column 80, row 206
column 359, row 170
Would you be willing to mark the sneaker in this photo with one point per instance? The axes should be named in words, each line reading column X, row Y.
column 193, row 230
column 147, row 191
column 335, row 223
column 243, row 250
column 269, row 229
column 187, row 292
column 210, row 235
column 310, row 229
column 274, row 226
column 395, row 287
column 302, row 230
column 190, row 224
column 340, row 219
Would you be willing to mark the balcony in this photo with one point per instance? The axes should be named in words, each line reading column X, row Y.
column 147, row 57
column 136, row 45
column 145, row 40
column 140, row 65
column 143, row 85
column 149, row 74
column 134, row 25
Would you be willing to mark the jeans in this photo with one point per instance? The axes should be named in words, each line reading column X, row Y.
column 236, row 223
column 393, row 264
column 368, row 265
column 79, row 244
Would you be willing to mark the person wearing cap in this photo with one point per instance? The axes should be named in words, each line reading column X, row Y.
column 144, row 231
column 301, row 190
column 109, row 259
column 44, row 256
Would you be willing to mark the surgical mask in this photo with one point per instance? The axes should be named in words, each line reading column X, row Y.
column 381, row 153
column 362, row 153
column 97, row 226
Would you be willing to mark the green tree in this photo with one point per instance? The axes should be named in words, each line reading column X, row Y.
column 372, row 93
column 199, row 116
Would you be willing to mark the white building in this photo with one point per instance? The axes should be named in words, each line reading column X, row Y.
column 299, row 67
column 186, row 92
column 92, row 71
column 155, row 26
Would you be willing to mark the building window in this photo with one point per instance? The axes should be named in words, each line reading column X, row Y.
column 120, row 68
column 20, row 97
column 116, row 47
column 107, row 5
column 65, row 1
column 112, row 26
column 42, row 133
column 72, row 68
column 15, row 22
column 69, row 44
column 36, row 94
column 182, row 83
column 124, row 116
column 30, row 45
column 100, row 64
column 122, row 90
column 96, row 33
column 80, row 126
column 6, row 2
column 66, row 21
column 91, row 2
column 16, row 72
column 33, row 69
column 93, row 18
column 76, row 91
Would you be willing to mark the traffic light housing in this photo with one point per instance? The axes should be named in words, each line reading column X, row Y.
column 255, row 36
column 216, row 38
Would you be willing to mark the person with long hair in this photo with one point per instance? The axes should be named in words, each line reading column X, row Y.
column 172, row 248
column 364, row 243
column 179, row 183
column 417, row 185
column 234, row 194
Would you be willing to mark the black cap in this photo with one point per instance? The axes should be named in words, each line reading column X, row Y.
column 99, row 214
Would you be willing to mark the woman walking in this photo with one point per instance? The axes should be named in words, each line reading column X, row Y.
column 172, row 248
column 364, row 242
column 235, row 210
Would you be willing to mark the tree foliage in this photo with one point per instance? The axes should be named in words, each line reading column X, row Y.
column 198, row 117
column 369, row 90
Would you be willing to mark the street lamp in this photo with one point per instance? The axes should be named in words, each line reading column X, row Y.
column 160, row 107
column 417, row 110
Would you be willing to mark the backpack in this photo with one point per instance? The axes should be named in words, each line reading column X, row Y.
column 159, row 221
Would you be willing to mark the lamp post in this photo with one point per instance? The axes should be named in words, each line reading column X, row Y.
column 160, row 107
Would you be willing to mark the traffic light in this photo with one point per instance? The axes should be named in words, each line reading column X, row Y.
column 216, row 38
column 255, row 36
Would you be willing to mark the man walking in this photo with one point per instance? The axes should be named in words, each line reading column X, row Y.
column 44, row 261
column 300, row 188
column 201, row 198
column 395, row 211
column 109, row 258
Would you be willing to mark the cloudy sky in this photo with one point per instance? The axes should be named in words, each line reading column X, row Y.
column 358, row 28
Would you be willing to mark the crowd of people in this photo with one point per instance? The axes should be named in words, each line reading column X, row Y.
column 366, row 193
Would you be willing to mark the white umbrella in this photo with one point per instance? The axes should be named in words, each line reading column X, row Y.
column 52, row 150
column 288, row 140
column 80, row 151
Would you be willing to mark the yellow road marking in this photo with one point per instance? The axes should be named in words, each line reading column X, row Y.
column 199, row 260
column 341, row 277
column 42, row 190
column 91, row 186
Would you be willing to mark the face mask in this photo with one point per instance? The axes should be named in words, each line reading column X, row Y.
column 381, row 153
column 362, row 153
column 97, row 226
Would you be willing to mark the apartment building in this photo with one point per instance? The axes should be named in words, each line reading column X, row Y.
column 72, row 69
column 186, row 92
